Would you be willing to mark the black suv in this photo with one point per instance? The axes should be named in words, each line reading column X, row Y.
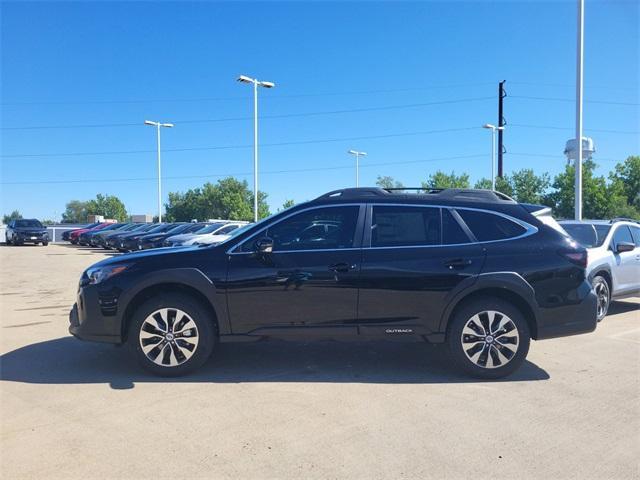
column 26, row 230
column 469, row 268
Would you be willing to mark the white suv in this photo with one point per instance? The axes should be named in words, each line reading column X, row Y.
column 614, row 257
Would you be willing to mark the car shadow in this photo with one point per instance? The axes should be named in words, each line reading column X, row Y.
column 70, row 361
column 618, row 307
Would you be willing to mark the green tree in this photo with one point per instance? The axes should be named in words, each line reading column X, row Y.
column 229, row 198
column 388, row 182
column 287, row 204
column 75, row 212
column 108, row 206
column 503, row 185
column 600, row 200
column 627, row 174
column 15, row 215
column 527, row 187
column 441, row 179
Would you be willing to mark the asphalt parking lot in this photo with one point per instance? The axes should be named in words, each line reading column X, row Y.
column 271, row 409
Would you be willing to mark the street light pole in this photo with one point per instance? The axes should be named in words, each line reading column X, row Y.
column 579, row 80
column 357, row 155
column 256, row 83
column 158, row 125
column 493, row 129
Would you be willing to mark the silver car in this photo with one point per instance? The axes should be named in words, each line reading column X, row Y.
column 614, row 257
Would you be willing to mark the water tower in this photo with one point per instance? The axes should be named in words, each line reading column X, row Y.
column 571, row 149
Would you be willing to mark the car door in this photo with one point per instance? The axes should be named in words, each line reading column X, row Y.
column 309, row 279
column 417, row 256
column 626, row 266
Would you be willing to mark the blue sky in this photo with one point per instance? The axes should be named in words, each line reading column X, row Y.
column 385, row 78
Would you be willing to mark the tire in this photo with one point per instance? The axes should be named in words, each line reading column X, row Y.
column 473, row 354
column 7, row 241
column 603, row 294
column 165, row 362
column 44, row 244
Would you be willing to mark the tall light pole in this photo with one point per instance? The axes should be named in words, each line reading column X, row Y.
column 493, row 129
column 158, row 125
column 357, row 155
column 579, row 79
column 256, row 83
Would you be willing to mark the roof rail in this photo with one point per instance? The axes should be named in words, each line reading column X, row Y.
column 448, row 193
column 623, row 219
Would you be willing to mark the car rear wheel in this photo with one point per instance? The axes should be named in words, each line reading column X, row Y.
column 488, row 338
column 603, row 294
column 171, row 335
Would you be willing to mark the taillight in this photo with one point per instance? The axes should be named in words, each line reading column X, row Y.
column 578, row 257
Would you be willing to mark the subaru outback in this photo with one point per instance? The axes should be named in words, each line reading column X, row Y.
column 472, row 269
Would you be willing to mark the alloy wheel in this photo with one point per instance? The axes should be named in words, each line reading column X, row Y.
column 602, row 293
column 490, row 339
column 168, row 337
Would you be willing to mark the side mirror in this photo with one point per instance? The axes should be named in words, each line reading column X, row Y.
column 264, row 245
column 625, row 247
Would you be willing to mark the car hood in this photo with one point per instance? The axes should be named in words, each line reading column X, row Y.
column 133, row 257
column 181, row 237
column 29, row 229
column 211, row 239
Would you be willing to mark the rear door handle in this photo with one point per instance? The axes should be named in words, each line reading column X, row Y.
column 341, row 267
column 457, row 263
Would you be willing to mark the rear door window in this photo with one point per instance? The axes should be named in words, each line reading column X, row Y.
column 401, row 226
column 635, row 231
column 452, row 232
column 488, row 226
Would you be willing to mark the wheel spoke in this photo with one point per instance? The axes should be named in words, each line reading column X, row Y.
column 168, row 337
column 490, row 339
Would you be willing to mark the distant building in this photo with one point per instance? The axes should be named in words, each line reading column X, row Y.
column 146, row 218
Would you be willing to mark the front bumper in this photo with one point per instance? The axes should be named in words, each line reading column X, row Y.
column 87, row 319
column 31, row 237
column 569, row 319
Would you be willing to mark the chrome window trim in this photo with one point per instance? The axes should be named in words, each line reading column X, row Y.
column 529, row 229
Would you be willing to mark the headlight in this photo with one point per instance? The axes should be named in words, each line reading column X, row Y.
column 100, row 274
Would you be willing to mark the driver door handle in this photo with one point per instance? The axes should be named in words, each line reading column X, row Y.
column 341, row 267
column 457, row 263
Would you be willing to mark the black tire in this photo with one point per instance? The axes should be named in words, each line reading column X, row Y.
column 496, row 350
column 44, row 244
column 7, row 241
column 165, row 351
column 603, row 293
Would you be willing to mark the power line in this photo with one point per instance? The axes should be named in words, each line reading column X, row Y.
column 283, row 115
column 237, row 97
column 599, row 130
column 229, row 147
column 270, row 172
column 555, row 99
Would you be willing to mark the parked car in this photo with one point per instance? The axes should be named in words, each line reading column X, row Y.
column 220, row 236
column 215, row 236
column 85, row 238
column 26, row 230
column 66, row 233
column 116, row 240
column 471, row 269
column 129, row 243
column 99, row 238
column 179, row 240
column 74, row 237
column 613, row 267
column 155, row 240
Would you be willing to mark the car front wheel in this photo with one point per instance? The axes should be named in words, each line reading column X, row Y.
column 488, row 338
column 171, row 335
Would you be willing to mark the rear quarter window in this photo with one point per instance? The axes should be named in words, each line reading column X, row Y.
column 489, row 226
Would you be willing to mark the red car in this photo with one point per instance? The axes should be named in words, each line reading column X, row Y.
column 73, row 236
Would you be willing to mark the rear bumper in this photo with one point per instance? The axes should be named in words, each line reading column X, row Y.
column 571, row 319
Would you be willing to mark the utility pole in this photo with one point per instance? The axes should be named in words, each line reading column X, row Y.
column 579, row 79
column 501, row 123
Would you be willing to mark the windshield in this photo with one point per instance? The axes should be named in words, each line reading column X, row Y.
column 28, row 223
column 588, row 234
column 209, row 228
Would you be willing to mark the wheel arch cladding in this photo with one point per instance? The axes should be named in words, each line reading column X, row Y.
column 158, row 289
column 503, row 294
column 604, row 273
